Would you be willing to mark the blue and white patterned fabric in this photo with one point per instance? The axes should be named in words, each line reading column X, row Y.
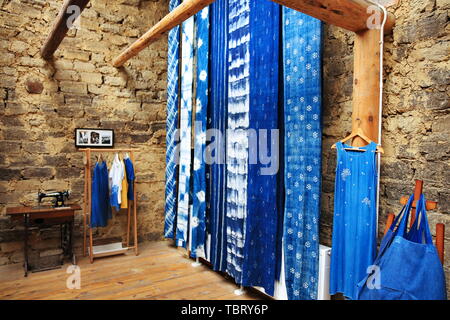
column 198, row 229
column 259, row 263
column 303, row 133
column 217, row 119
column 237, row 140
column 187, row 73
column 171, row 127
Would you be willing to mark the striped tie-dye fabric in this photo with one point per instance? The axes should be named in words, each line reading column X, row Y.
column 259, row 263
column 198, row 230
column 187, row 73
column 171, row 127
column 303, row 138
column 217, row 120
column 237, row 140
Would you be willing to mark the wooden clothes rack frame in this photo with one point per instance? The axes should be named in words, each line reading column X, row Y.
column 88, row 208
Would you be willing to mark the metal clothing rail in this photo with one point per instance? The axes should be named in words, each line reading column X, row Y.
column 103, row 252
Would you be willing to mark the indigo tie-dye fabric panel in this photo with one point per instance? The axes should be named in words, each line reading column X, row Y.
column 171, row 127
column 237, row 141
column 198, row 229
column 259, row 263
column 187, row 73
column 217, row 120
column 303, row 133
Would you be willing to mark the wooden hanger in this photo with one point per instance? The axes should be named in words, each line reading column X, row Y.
column 358, row 133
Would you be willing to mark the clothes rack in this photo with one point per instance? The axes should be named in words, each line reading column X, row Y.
column 116, row 248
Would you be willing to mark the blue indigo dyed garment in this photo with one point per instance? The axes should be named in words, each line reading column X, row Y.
column 237, row 140
column 354, row 224
column 129, row 170
column 217, row 120
column 101, row 208
column 407, row 265
column 187, row 73
column 262, row 214
column 171, row 129
column 198, row 229
column 303, row 134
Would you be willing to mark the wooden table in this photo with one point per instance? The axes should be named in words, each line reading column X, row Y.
column 44, row 215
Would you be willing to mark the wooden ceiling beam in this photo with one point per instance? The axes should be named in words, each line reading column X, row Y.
column 60, row 27
column 180, row 14
column 351, row 15
column 348, row 14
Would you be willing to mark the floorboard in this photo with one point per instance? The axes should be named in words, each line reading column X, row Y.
column 160, row 272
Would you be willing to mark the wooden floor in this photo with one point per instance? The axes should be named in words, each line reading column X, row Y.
column 160, row 272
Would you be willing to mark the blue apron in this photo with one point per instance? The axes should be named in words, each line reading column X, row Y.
column 407, row 266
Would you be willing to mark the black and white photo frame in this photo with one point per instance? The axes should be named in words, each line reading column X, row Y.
column 94, row 138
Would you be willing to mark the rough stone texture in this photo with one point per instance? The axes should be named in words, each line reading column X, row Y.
column 416, row 114
column 80, row 88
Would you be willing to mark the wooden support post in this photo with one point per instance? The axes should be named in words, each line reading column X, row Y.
column 440, row 232
column 85, row 211
column 91, row 240
column 389, row 221
column 366, row 85
column 136, row 250
column 60, row 27
column 418, row 189
column 128, row 223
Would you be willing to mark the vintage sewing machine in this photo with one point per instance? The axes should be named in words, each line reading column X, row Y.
column 59, row 196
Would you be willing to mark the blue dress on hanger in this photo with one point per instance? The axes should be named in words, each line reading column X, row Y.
column 101, row 208
column 355, row 218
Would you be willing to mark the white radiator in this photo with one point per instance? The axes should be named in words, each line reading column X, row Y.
column 323, row 287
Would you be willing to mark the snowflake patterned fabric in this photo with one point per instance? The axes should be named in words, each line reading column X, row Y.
column 237, row 140
column 217, row 119
column 259, row 263
column 171, row 127
column 303, row 133
column 354, row 224
column 187, row 64
column 198, row 229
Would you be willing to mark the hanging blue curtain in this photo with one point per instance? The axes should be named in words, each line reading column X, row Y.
column 217, row 120
column 237, row 140
column 187, row 73
column 259, row 263
column 171, row 127
column 198, row 229
column 303, row 133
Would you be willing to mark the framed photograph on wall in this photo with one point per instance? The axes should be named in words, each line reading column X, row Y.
column 94, row 138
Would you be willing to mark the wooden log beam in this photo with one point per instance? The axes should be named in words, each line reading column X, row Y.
column 183, row 12
column 351, row 15
column 348, row 14
column 60, row 27
column 366, row 85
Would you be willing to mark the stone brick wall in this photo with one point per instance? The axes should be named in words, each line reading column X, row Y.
column 80, row 88
column 416, row 114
